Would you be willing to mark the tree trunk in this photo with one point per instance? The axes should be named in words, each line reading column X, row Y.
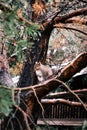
column 5, row 77
column 37, row 53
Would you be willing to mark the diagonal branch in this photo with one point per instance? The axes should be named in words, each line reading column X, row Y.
column 62, row 19
column 71, row 28
column 44, row 88
column 70, row 15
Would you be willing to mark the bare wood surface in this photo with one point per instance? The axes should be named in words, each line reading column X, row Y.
column 62, row 122
column 64, row 101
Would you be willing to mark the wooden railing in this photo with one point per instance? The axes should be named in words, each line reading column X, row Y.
column 67, row 112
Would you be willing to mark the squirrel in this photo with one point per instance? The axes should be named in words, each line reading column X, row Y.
column 43, row 72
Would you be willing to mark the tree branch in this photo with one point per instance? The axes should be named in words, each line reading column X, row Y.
column 70, row 15
column 25, row 117
column 44, row 88
column 73, row 94
column 62, row 19
column 64, row 101
column 79, row 21
column 80, row 92
column 71, row 28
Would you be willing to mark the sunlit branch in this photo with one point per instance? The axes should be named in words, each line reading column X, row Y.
column 77, row 20
column 71, row 28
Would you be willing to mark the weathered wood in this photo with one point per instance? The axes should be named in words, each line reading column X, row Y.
column 61, row 122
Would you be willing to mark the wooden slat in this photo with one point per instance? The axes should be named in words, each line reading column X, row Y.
column 61, row 122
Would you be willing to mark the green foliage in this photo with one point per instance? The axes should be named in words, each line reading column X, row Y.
column 9, row 24
column 6, row 102
column 32, row 30
column 18, row 34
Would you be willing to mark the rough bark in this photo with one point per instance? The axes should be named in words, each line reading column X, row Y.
column 5, row 77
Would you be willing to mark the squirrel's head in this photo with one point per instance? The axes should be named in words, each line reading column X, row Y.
column 37, row 65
